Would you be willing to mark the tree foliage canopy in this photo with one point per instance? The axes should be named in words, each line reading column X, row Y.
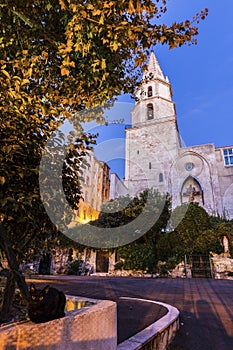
column 140, row 253
column 193, row 234
column 58, row 58
column 224, row 228
column 61, row 55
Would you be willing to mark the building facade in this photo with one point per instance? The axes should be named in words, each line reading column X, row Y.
column 156, row 158
column 95, row 188
column 117, row 187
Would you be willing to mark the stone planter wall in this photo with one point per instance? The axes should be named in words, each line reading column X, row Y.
column 158, row 335
column 92, row 327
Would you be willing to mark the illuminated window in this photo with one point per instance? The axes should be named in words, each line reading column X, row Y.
column 228, row 156
column 150, row 111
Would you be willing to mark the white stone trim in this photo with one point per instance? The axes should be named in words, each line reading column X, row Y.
column 159, row 333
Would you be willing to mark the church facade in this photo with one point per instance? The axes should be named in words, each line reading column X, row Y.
column 155, row 157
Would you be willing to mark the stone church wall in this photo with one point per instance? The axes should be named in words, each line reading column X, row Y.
column 203, row 170
column 226, row 184
column 149, row 151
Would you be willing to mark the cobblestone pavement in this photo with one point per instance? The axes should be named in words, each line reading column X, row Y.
column 206, row 306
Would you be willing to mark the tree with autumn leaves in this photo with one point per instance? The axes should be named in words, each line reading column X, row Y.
column 63, row 59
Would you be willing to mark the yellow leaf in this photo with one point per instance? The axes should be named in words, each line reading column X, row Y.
column 62, row 4
column 131, row 6
column 69, row 46
column 83, row 14
column 67, row 114
column 101, row 20
column 73, row 7
column 65, row 71
column 6, row 73
column 115, row 46
column 29, row 72
column 25, row 81
column 44, row 55
column 53, row 111
column 12, row 94
column 2, row 180
column 96, row 13
column 103, row 64
column 77, row 46
column 163, row 39
column 16, row 77
column 90, row 7
column 48, row 6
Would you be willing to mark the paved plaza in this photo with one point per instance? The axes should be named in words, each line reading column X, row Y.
column 206, row 306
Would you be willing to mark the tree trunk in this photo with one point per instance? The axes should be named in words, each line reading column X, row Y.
column 5, row 313
column 5, row 245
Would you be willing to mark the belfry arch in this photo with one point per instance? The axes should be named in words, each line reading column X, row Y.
column 192, row 191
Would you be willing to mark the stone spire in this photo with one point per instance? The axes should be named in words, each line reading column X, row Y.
column 153, row 68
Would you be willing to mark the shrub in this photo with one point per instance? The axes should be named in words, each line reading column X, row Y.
column 75, row 268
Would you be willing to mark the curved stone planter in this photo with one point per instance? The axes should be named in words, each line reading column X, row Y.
column 91, row 327
column 158, row 335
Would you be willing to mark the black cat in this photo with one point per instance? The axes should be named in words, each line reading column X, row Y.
column 45, row 304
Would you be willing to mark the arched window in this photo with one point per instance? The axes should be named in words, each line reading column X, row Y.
column 150, row 111
column 149, row 91
column 149, row 165
column 160, row 177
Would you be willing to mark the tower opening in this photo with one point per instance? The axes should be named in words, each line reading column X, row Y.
column 150, row 111
column 149, row 91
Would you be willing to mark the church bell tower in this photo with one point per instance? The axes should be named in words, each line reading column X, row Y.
column 153, row 140
column 153, row 97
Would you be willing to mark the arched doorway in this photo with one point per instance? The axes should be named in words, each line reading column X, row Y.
column 191, row 191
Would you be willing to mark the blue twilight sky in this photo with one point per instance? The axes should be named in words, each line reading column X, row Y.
column 202, row 82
